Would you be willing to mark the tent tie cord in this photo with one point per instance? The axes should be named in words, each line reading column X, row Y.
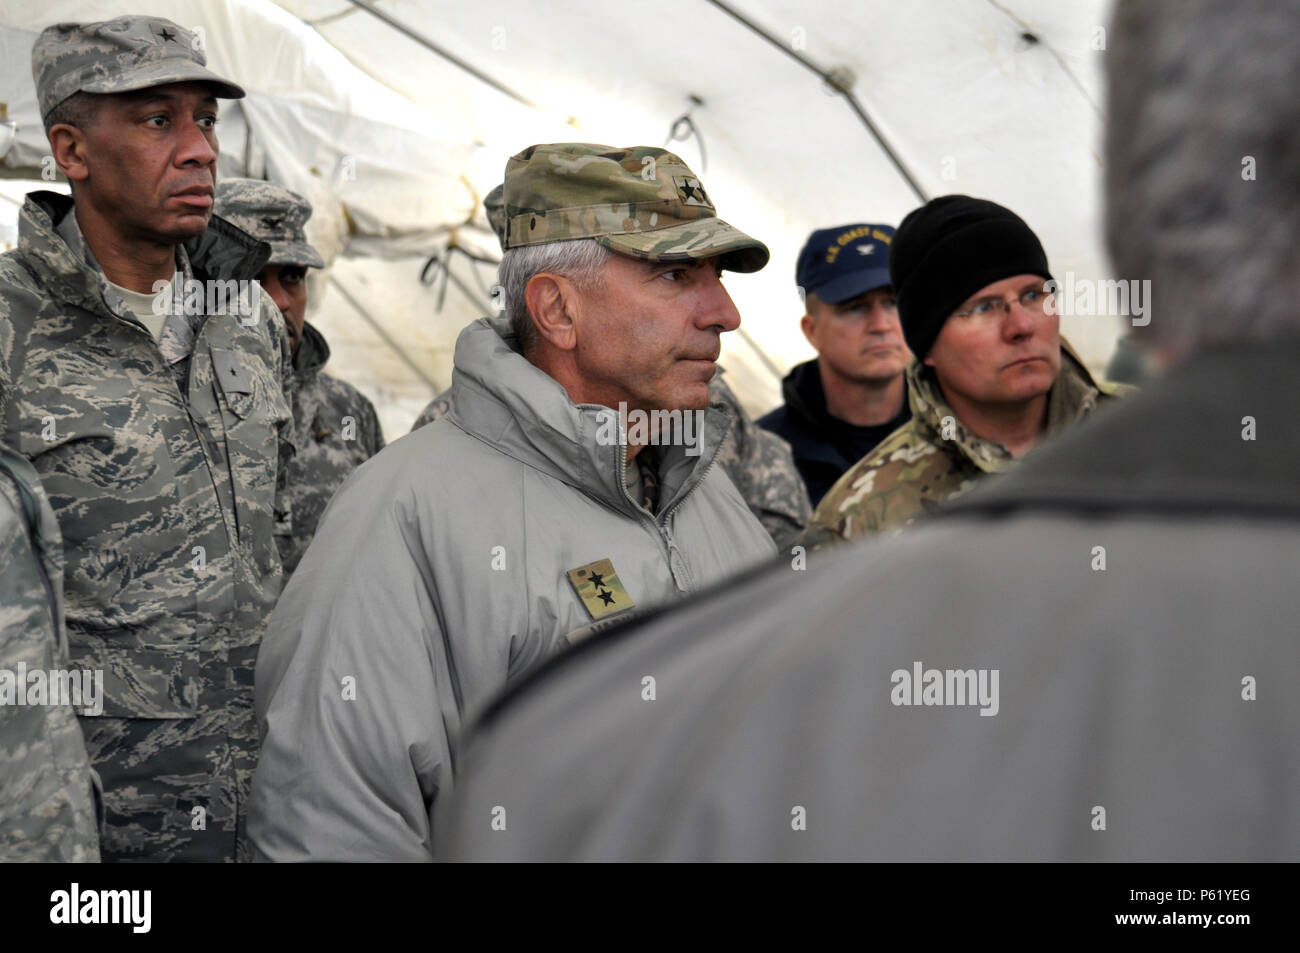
column 683, row 127
column 439, row 265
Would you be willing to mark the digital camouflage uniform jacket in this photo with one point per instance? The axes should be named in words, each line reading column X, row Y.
column 933, row 458
column 338, row 430
column 165, row 463
column 759, row 463
column 47, row 810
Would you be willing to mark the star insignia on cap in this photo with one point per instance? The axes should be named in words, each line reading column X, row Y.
column 270, row 222
column 167, row 36
column 866, row 249
column 691, row 189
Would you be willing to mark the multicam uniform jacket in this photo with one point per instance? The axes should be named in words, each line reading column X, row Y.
column 165, row 463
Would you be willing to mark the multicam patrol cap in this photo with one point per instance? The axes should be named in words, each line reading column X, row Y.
column 642, row 202
column 271, row 214
column 118, row 56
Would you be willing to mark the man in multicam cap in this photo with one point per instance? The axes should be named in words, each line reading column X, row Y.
column 758, row 461
column 152, row 393
column 541, row 508
column 338, row 428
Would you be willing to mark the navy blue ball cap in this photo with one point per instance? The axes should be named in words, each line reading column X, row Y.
column 840, row 263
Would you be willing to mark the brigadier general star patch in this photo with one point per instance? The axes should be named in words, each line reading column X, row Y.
column 599, row 588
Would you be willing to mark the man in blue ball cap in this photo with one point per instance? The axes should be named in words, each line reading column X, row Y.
column 842, row 403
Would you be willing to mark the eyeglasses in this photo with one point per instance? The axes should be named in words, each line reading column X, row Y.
column 1034, row 301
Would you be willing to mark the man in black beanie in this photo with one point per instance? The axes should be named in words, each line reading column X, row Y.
column 992, row 376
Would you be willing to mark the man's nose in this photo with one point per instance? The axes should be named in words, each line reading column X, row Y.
column 1018, row 322
column 273, row 287
column 716, row 307
column 881, row 319
column 195, row 146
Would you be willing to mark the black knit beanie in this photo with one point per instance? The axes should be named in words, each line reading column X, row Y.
column 947, row 250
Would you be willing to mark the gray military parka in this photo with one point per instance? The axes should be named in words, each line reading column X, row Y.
column 440, row 569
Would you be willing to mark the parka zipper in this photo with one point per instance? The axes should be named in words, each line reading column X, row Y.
column 677, row 565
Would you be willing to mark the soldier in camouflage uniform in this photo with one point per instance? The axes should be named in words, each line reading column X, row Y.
column 957, row 252
column 47, row 810
column 160, row 425
column 758, row 462
column 338, row 428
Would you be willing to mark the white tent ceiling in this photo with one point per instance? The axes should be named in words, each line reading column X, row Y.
column 395, row 119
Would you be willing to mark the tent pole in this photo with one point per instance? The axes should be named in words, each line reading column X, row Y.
column 428, row 44
column 762, row 355
column 835, row 83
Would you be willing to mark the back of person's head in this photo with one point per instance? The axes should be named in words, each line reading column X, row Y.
column 1203, row 166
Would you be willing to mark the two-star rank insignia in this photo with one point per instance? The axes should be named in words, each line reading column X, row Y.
column 599, row 588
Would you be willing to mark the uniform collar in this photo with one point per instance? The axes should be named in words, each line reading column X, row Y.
column 502, row 398
column 312, row 354
column 51, row 240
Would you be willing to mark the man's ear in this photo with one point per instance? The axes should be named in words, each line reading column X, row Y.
column 68, row 146
column 806, row 324
column 552, row 301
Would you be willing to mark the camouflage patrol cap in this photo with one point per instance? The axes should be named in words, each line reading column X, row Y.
column 642, row 202
column 271, row 214
column 494, row 204
column 118, row 56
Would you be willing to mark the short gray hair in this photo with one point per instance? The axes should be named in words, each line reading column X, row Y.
column 578, row 259
column 1201, row 97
